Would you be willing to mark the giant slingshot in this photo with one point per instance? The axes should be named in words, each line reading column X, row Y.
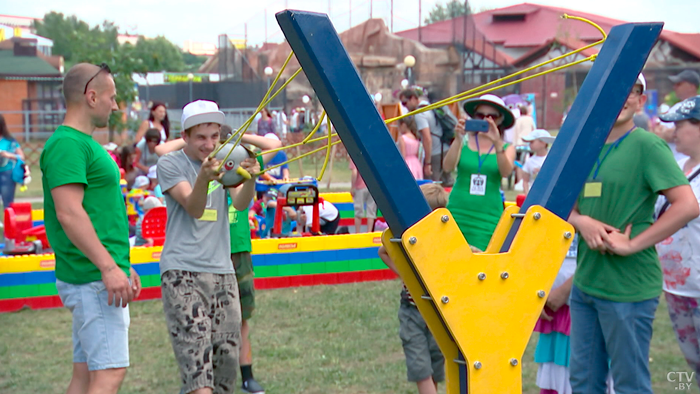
column 481, row 308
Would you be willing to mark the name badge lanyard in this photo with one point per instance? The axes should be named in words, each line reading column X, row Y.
column 614, row 145
column 196, row 174
column 479, row 155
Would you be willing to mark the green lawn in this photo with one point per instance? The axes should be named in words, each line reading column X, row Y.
column 316, row 340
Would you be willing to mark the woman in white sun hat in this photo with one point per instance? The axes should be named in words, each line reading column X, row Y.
column 481, row 160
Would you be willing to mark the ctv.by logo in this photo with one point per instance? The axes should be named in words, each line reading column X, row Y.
column 682, row 380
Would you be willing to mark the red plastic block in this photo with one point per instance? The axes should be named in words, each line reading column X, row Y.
column 150, row 293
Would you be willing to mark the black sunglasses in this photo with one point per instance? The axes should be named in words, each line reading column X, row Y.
column 103, row 67
column 481, row 115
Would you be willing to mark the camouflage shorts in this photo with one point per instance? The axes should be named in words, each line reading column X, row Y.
column 243, row 264
column 203, row 316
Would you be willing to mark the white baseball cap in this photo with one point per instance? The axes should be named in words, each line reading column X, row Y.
column 201, row 111
column 151, row 202
column 539, row 134
column 642, row 81
column 140, row 182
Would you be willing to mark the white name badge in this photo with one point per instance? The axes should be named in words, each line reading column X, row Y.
column 478, row 185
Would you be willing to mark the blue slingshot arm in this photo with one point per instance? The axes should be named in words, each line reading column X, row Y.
column 339, row 87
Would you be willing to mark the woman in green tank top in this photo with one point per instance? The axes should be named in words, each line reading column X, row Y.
column 481, row 160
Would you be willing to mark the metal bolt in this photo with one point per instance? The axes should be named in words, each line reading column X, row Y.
column 567, row 235
column 445, row 218
column 541, row 293
column 445, row 299
column 477, row 365
column 412, row 240
column 537, row 216
column 504, row 275
column 513, row 361
column 481, row 276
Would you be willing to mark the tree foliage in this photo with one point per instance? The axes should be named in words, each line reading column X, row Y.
column 77, row 42
column 451, row 9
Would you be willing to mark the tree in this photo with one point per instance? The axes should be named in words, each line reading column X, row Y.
column 77, row 43
column 193, row 62
column 159, row 54
column 452, row 9
column 75, row 40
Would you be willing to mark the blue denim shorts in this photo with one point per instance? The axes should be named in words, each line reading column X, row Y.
column 100, row 331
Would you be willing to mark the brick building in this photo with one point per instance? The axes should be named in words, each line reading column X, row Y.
column 29, row 81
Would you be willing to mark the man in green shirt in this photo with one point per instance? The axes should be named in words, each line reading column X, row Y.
column 618, row 278
column 87, row 227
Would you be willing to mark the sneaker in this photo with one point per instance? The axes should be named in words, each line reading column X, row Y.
column 251, row 386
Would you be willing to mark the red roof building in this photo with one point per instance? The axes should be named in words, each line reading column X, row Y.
column 498, row 42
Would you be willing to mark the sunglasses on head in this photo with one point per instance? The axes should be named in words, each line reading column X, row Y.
column 103, row 67
column 481, row 115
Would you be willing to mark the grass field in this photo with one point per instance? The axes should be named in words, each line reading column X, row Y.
column 315, row 340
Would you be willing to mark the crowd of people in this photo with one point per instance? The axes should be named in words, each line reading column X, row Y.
column 636, row 231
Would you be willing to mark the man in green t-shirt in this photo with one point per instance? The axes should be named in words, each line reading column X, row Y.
column 87, row 228
column 618, row 279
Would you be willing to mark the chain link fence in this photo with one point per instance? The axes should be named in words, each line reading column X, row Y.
column 33, row 128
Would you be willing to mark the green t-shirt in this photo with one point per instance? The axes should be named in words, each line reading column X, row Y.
column 240, row 229
column 477, row 216
column 632, row 175
column 71, row 156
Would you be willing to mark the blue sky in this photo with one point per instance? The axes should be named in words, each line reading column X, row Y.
column 204, row 20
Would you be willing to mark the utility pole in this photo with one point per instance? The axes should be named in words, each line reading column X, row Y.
column 392, row 16
column 349, row 14
column 370, row 8
column 420, row 20
column 265, row 41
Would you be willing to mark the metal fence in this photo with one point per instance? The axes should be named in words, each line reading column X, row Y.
column 33, row 128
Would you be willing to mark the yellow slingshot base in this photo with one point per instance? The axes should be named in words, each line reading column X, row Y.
column 484, row 305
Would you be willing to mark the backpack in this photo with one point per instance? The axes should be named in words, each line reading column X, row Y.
column 447, row 121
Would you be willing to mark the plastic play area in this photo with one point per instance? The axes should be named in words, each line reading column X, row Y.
column 28, row 281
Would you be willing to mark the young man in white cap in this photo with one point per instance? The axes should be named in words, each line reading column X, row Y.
column 539, row 141
column 200, row 292
column 618, row 277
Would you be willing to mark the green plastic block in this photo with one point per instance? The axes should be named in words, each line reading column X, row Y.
column 313, row 268
column 347, row 214
column 266, row 271
column 289, row 269
column 24, row 291
column 47, row 289
column 337, row 266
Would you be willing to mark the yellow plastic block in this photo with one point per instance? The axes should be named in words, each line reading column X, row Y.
column 149, row 254
column 489, row 302
column 337, row 197
column 315, row 244
column 37, row 214
column 27, row 263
